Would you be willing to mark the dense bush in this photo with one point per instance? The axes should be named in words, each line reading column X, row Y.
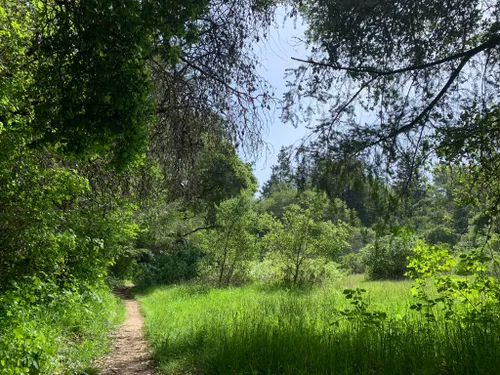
column 470, row 300
column 265, row 271
column 230, row 247
column 359, row 237
column 300, row 244
column 353, row 262
column 48, row 328
column 59, row 232
column 441, row 234
column 321, row 271
column 179, row 263
column 314, row 271
column 125, row 267
column 471, row 246
column 386, row 257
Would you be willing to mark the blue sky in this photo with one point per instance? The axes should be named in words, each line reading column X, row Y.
column 276, row 53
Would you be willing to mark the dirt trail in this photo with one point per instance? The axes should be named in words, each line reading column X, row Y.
column 129, row 355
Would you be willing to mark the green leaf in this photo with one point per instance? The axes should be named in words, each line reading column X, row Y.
column 18, row 332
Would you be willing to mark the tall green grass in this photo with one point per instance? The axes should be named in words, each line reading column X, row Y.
column 274, row 330
column 84, row 330
column 45, row 330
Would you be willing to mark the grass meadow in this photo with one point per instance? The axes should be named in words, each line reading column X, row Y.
column 259, row 329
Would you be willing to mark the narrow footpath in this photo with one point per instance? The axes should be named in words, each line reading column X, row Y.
column 130, row 355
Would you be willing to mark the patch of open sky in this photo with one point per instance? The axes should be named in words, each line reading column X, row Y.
column 275, row 53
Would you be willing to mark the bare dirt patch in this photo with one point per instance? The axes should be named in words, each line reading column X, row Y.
column 130, row 354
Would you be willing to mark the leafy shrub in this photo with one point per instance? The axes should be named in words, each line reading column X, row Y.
column 441, row 234
column 386, row 257
column 318, row 271
column 52, row 222
column 314, row 271
column 472, row 246
column 300, row 243
column 46, row 328
column 465, row 246
column 473, row 299
column 125, row 266
column 232, row 245
column 359, row 238
column 265, row 271
column 353, row 262
column 359, row 311
column 177, row 264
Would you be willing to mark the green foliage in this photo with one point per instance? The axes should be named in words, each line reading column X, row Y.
column 315, row 271
column 76, row 72
column 284, row 195
column 221, row 175
column 386, row 257
column 368, row 60
column 300, row 241
column 81, row 199
column 282, row 175
column 355, row 195
column 52, row 223
column 91, row 79
column 353, row 262
column 359, row 237
column 436, row 214
column 429, row 261
column 281, row 196
column 470, row 150
column 125, row 266
column 473, row 299
column 30, row 212
column 265, row 271
column 59, row 233
column 175, row 264
column 359, row 311
column 46, row 328
column 77, row 190
column 228, row 249
column 441, row 234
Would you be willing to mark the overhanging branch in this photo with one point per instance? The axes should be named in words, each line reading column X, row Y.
column 422, row 115
column 194, row 231
column 492, row 42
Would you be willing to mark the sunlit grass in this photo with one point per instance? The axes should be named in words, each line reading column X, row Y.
column 62, row 337
column 84, row 331
column 276, row 330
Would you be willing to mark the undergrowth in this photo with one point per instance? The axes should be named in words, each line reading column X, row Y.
column 52, row 329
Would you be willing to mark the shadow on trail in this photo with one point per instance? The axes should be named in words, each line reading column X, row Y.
column 124, row 292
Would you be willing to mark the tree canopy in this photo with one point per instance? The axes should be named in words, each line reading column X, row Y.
column 400, row 77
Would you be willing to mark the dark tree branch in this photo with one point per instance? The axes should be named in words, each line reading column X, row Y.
column 412, row 165
column 194, row 231
column 219, row 80
column 492, row 42
column 427, row 110
column 352, row 99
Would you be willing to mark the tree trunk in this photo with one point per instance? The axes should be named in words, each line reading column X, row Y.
column 223, row 265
